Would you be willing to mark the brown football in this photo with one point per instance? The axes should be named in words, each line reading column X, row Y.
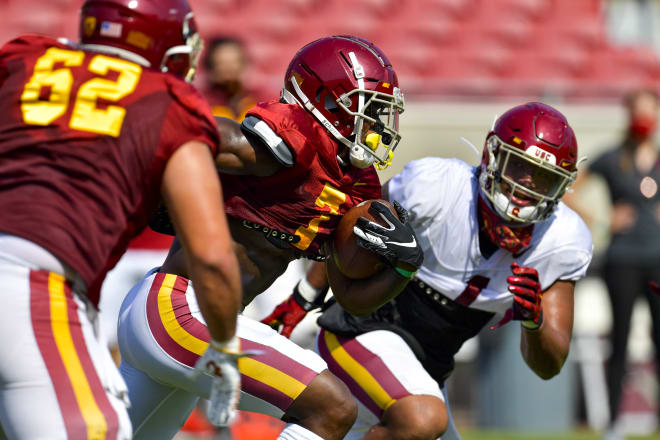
column 352, row 260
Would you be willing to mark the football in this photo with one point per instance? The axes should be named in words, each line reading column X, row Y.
column 352, row 260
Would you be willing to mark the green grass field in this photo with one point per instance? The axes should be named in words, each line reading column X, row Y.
column 490, row 435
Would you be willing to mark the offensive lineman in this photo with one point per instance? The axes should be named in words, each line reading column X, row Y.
column 292, row 169
column 91, row 136
column 517, row 256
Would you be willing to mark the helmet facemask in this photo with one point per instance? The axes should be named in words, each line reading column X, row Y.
column 182, row 60
column 523, row 186
column 376, row 125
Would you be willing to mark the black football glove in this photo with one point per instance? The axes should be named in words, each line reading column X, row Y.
column 396, row 243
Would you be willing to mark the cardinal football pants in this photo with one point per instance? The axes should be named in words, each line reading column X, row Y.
column 161, row 336
column 379, row 368
column 57, row 379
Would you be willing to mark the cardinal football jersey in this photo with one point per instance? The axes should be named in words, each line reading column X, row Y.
column 440, row 195
column 84, row 139
column 308, row 198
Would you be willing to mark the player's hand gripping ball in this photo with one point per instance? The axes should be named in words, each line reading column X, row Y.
column 373, row 235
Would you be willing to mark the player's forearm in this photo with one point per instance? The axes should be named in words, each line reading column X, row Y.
column 544, row 350
column 317, row 275
column 236, row 155
column 218, row 289
column 362, row 297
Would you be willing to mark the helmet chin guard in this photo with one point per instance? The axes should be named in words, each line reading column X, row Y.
column 360, row 158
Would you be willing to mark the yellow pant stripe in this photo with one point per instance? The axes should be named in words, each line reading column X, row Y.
column 94, row 418
column 249, row 367
column 270, row 376
column 172, row 327
column 360, row 374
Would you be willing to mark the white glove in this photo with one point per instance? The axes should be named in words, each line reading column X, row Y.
column 220, row 361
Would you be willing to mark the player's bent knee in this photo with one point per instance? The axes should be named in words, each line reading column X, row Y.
column 327, row 403
column 417, row 417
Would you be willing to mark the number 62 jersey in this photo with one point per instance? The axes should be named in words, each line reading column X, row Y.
column 84, row 139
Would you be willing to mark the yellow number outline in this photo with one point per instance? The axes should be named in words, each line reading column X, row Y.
column 330, row 197
column 86, row 116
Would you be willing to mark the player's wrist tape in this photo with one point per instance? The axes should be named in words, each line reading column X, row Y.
column 405, row 273
column 308, row 296
column 232, row 346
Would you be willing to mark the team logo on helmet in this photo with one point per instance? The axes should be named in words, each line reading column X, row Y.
column 89, row 25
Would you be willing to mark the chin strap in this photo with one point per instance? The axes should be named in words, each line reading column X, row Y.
column 472, row 147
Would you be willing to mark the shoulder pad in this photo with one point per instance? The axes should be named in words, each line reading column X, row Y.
column 257, row 127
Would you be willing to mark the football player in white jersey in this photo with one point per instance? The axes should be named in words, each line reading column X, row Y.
column 498, row 245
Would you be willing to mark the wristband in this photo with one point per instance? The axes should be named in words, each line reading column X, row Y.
column 232, row 346
column 307, row 291
column 405, row 273
column 532, row 326
column 302, row 301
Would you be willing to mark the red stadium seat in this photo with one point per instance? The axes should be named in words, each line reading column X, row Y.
column 437, row 46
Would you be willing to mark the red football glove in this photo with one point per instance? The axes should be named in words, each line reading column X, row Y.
column 527, row 295
column 290, row 312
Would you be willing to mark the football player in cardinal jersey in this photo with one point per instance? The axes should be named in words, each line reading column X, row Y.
column 92, row 135
column 289, row 172
column 498, row 243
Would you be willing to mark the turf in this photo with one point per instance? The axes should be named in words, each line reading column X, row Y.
column 491, row 435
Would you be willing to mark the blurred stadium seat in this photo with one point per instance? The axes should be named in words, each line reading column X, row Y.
column 439, row 47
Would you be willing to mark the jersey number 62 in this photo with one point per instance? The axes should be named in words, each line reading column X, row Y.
column 86, row 116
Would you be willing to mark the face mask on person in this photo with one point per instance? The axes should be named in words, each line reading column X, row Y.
column 642, row 126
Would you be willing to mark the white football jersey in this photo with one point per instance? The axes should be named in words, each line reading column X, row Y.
column 441, row 196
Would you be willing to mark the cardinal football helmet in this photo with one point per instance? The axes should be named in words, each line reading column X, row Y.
column 349, row 85
column 528, row 163
column 161, row 34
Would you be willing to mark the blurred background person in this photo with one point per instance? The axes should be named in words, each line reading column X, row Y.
column 631, row 171
column 225, row 63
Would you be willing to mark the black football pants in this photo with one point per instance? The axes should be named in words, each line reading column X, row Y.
column 625, row 283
